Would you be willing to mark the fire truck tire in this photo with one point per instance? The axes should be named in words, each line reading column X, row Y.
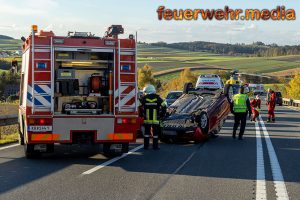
column 112, row 153
column 29, row 151
column 50, row 148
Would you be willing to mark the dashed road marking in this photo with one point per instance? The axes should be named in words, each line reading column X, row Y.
column 7, row 147
column 261, row 193
column 111, row 161
column 278, row 180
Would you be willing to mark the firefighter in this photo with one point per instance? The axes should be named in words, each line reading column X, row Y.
column 271, row 102
column 154, row 108
column 239, row 107
column 255, row 106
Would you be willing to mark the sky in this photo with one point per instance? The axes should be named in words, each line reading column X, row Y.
column 95, row 16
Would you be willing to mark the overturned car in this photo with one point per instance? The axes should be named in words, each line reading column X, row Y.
column 197, row 114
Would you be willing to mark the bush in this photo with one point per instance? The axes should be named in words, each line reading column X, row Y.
column 292, row 89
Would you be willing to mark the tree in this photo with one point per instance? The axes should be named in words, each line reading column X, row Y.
column 177, row 83
column 293, row 89
column 145, row 76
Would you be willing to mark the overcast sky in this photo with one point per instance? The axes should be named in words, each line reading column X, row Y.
column 95, row 16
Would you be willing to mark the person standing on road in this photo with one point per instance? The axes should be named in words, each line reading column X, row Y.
column 255, row 106
column 271, row 102
column 154, row 108
column 240, row 107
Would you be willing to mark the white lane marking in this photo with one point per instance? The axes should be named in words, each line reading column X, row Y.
column 185, row 162
column 278, row 180
column 7, row 147
column 261, row 193
column 111, row 161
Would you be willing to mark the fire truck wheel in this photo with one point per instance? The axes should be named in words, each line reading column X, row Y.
column 108, row 152
column 50, row 148
column 29, row 151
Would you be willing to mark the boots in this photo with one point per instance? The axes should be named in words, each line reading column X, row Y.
column 234, row 134
column 273, row 120
column 269, row 120
column 146, row 142
column 155, row 143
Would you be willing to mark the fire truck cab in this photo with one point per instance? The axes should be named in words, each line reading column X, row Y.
column 76, row 89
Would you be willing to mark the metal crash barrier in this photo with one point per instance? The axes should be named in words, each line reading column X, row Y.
column 291, row 102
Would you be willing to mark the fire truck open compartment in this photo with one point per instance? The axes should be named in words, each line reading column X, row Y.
column 82, row 82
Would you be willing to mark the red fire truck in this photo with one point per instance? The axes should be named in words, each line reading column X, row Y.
column 78, row 88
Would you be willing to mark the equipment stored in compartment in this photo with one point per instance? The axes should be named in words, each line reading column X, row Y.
column 68, row 87
column 98, row 85
column 65, row 74
column 87, row 106
column 95, row 83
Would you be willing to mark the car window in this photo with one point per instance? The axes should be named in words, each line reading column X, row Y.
column 174, row 95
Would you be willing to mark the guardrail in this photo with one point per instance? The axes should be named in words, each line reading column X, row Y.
column 6, row 120
column 291, row 102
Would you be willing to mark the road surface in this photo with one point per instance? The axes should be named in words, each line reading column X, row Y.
column 265, row 165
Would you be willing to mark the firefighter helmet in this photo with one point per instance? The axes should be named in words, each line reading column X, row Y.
column 149, row 89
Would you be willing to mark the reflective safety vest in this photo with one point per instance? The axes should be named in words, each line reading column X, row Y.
column 152, row 104
column 240, row 103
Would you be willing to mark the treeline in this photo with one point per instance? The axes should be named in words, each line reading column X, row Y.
column 256, row 49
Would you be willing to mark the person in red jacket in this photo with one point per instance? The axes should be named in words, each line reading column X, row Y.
column 271, row 102
column 255, row 106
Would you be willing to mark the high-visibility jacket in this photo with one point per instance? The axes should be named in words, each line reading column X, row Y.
column 240, row 103
column 153, row 107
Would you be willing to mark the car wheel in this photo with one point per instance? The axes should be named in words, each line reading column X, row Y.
column 228, row 92
column 187, row 87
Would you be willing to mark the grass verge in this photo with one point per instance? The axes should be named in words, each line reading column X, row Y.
column 8, row 138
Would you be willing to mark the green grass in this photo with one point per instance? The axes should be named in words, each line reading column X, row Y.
column 11, row 44
column 8, row 138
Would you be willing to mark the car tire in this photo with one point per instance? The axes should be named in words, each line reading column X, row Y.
column 228, row 92
column 187, row 87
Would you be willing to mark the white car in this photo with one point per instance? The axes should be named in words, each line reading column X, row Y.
column 209, row 81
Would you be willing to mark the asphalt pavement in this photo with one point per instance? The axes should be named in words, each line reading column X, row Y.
column 265, row 165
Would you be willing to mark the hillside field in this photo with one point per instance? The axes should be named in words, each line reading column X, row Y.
column 163, row 59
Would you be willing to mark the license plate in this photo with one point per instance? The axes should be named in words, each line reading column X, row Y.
column 40, row 128
column 40, row 147
column 170, row 133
